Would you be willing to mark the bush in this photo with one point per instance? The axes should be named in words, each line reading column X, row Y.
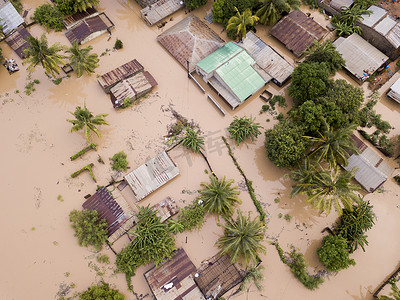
column 333, row 253
column 89, row 228
column 193, row 4
column 119, row 161
column 65, row 7
column 192, row 216
column 49, row 17
column 118, row 44
column 242, row 128
column 101, row 291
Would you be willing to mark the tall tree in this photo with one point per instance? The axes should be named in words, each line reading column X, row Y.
column 325, row 52
column 81, row 59
column 242, row 238
column 253, row 275
column 240, row 22
column 40, row 53
column 219, row 196
column 272, row 10
column 85, row 120
column 83, row 5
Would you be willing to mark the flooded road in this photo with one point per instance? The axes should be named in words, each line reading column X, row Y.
column 40, row 254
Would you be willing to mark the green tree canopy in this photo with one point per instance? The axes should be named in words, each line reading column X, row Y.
column 285, row 144
column 119, row 161
column 223, row 10
column 325, row 52
column 192, row 140
column 101, row 291
column 333, row 253
column 241, row 22
column 253, row 275
column 48, row 16
column 82, row 60
column 192, row 216
column 219, row 196
column 271, row 11
column 193, row 4
column 243, row 128
column 83, row 5
column 65, row 7
column 89, row 228
column 243, row 238
column 309, row 115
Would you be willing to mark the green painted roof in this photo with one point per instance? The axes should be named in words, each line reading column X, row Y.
column 240, row 76
column 218, row 57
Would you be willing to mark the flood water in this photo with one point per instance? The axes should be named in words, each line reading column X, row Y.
column 40, row 254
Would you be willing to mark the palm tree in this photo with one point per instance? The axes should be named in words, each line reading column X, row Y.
column 334, row 145
column 219, row 197
column 303, row 175
column 83, row 5
column 192, row 140
column 242, row 238
column 325, row 52
column 40, row 53
column 85, row 119
column 80, row 59
column 272, row 10
column 240, row 22
column 343, row 29
column 352, row 14
column 255, row 275
column 242, row 128
column 329, row 187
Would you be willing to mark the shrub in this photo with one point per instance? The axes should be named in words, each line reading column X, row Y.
column 242, row 128
column 119, row 161
column 118, row 44
column 49, row 17
column 193, row 4
column 65, row 7
column 333, row 253
column 101, row 291
column 192, row 216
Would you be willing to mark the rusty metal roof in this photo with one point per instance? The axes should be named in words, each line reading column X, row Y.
column 70, row 20
column 190, row 40
column 17, row 40
column 297, row 32
column 111, row 78
column 173, row 279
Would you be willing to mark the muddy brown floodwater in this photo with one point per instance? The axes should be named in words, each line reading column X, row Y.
column 40, row 255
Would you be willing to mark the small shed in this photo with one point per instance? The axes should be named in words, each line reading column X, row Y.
column 133, row 88
column 151, row 175
column 111, row 78
column 18, row 41
column 371, row 171
column 89, row 28
column 71, row 20
column 10, row 19
column 297, row 32
column 156, row 12
column 116, row 211
column 173, row 279
column 189, row 41
column 273, row 64
column 394, row 91
column 362, row 59
column 231, row 71
column 216, row 276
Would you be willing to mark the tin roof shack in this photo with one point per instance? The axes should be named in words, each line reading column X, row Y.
column 394, row 91
column 297, row 32
column 87, row 29
column 173, row 279
column 71, row 20
column 216, row 276
column 362, row 59
column 232, row 72
column 132, row 88
column 371, row 171
column 273, row 64
column 10, row 19
column 151, row 175
column 189, row 41
column 382, row 30
column 110, row 79
column 17, row 40
column 116, row 211
column 156, row 12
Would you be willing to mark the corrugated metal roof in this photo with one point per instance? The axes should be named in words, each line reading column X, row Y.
column 173, row 279
column 17, row 40
column 377, row 14
column 267, row 58
column 394, row 36
column 190, row 40
column 154, row 13
column 144, row 3
column 384, row 26
column 359, row 55
column 151, row 175
column 111, row 78
column 297, row 32
column 219, row 57
column 10, row 19
column 394, row 91
column 338, row 4
column 71, row 20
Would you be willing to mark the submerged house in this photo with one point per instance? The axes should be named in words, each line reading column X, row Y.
column 174, row 279
column 270, row 62
column 159, row 10
column 10, row 19
column 231, row 71
column 394, row 91
column 89, row 28
column 18, row 40
column 71, row 20
column 362, row 59
column 297, row 32
column 189, row 41
column 116, row 211
column 151, row 175
column 371, row 171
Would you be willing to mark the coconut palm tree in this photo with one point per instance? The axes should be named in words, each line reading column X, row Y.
column 192, row 140
column 85, row 119
column 302, row 175
column 81, row 60
column 272, row 10
column 219, row 197
column 352, row 14
column 40, row 53
column 329, row 187
column 334, row 145
column 83, row 5
column 240, row 22
column 242, row 238
column 253, row 275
